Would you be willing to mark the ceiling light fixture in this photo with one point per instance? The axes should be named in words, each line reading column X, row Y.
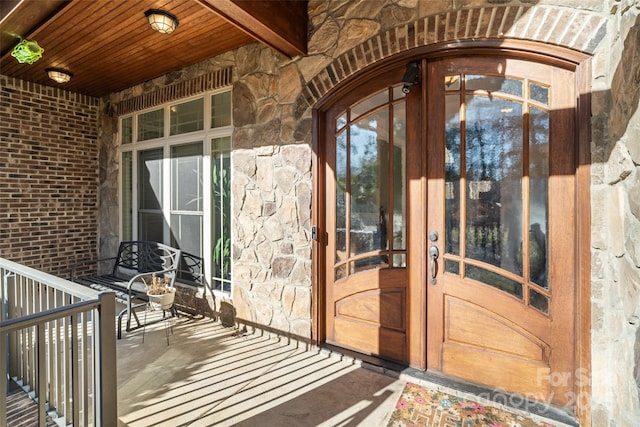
column 161, row 21
column 59, row 75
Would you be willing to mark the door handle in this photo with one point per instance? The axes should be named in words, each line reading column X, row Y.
column 433, row 255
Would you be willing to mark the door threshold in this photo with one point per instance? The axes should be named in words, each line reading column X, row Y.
column 501, row 397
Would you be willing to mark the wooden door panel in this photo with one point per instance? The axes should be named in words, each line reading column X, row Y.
column 502, row 305
column 470, row 324
column 370, row 338
column 369, row 313
column 501, row 370
column 371, row 279
column 382, row 307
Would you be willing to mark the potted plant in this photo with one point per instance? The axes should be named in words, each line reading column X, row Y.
column 160, row 293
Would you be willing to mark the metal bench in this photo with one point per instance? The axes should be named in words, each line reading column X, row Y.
column 136, row 262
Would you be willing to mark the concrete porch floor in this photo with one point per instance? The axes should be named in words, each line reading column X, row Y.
column 214, row 375
column 210, row 375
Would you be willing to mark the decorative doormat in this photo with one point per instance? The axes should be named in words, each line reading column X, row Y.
column 420, row 406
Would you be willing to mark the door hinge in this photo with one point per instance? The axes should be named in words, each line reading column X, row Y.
column 314, row 232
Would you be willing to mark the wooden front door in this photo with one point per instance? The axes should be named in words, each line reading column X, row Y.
column 501, row 193
column 366, row 214
column 451, row 228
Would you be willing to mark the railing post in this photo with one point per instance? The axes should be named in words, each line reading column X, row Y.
column 10, row 295
column 75, row 370
column 106, row 394
column 41, row 392
column 4, row 387
column 7, row 341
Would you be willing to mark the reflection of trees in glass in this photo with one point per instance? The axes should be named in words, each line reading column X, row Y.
column 399, row 202
column 452, row 175
column 369, row 171
column 539, row 194
column 494, row 172
column 341, row 195
column 364, row 180
column 397, row 226
column 365, row 173
column 493, row 159
column 494, row 138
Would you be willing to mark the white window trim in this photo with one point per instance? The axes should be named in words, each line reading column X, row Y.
column 205, row 137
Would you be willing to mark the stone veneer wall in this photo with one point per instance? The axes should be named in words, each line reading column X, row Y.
column 271, row 161
column 615, row 222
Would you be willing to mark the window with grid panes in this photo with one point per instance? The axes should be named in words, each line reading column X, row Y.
column 175, row 181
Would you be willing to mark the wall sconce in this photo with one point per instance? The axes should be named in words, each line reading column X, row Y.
column 59, row 75
column 161, row 21
column 410, row 77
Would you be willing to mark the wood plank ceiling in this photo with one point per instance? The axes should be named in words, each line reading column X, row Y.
column 109, row 46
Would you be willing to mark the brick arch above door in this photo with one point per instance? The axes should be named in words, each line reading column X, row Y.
column 576, row 29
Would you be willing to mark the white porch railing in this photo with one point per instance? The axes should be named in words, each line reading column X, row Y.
column 57, row 341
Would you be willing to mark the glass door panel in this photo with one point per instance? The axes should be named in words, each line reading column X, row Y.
column 487, row 210
column 150, row 217
column 370, row 195
column 369, row 171
column 221, row 213
column 186, row 197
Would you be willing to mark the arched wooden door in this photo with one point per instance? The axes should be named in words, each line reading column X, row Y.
column 450, row 215
column 366, row 219
column 501, row 191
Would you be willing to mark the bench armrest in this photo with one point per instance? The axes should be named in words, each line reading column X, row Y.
column 72, row 273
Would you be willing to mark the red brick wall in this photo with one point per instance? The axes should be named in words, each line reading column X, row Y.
column 48, row 175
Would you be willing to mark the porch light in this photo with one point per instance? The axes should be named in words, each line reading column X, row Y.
column 59, row 75
column 410, row 77
column 161, row 21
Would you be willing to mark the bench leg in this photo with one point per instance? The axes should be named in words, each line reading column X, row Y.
column 135, row 316
column 128, row 328
column 128, row 324
column 120, row 323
